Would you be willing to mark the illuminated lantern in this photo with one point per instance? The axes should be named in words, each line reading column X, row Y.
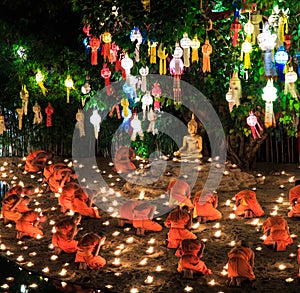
column 136, row 125
column 80, row 122
column 94, row 44
column 129, row 91
column 230, row 99
column 86, row 43
column 144, row 71
column 69, row 85
column 249, row 29
column 24, row 95
column 151, row 116
column 156, row 92
column 185, row 44
column 85, row 89
column 269, row 95
column 40, row 81
column 236, row 87
column 127, row 64
column 38, row 117
column 235, row 28
column 253, row 123
column 245, row 53
column 20, row 117
column 176, row 69
column 152, row 51
column 113, row 57
column 147, row 101
column 283, row 26
column 146, row 5
column 106, row 74
column 86, row 29
column 106, row 46
column 206, row 51
column 2, row 124
column 256, row 19
column 95, row 119
column 162, row 55
column 290, row 79
column 281, row 58
column 125, row 105
column 126, row 119
column 49, row 110
column 195, row 45
column 135, row 35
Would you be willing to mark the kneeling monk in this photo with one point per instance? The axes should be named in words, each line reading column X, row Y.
column 294, row 197
column 37, row 160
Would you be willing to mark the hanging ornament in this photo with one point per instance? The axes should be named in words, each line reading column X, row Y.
column 129, row 92
column 288, row 41
column 236, row 87
column 117, row 108
column 40, row 81
column 50, row 71
column 289, row 85
column 176, row 69
column 253, row 123
column 2, row 124
column 269, row 95
column 206, row 51
column 144, row 71
column 195, row 45
column 185, row 44
column 256, row 19
column 235, row 28
column 151, row 116
column 38, row 117
column 273, row 21
column 85, row 89
column 283, row 25
column 94, row 44
column 95, row 119
column 245, row 54
column 125, row 109
column 230, row 99
column 69, row 83
column 147, row 101
column 24, row 95
column 136, row 36
column 86, row 43
column 249, row 29
column 113, row 52
column 134, row 82
column 80, row 122
column 281, row 58
column 296, row 57
column 106, row 46
column 162, row 55
column 127, row 64
column 86, row 29
column 20, row 117
column 136, row 125
column 106, row 74
column 156, row 92
column 152, row 51
column 49, row 110
column 146, row 5
column 126, row 120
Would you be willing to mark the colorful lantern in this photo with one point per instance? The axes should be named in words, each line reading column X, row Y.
column 185, row 44
column 94, row 44
column 162, row 55
column 269, row 95
column 20, row 117
column 289, row 86
column 136, row 125
column 49, row 110
column 126, row 120
column 144, row 71
column 147, row 101
column 95, row 119
column 230, row 99
column 146, row 5
column 106, row 46
column 135, row 35
column 125, row 105
column 206, row 51
column 117, row 108
column 156, row 92
column 106, row 74
column 129, row 92
column 2, row 124
column 69, row 85
column 86, row 43
column 236, row 87
column 235, row 29
column 40, row 81
column 249, row 29
column 256, row 19
column 80, row 122
column 245, row 52
column 151, row 116
column 253, row 123
column 152, row 51
column 38, row 117
column 281, row 58
column 283, row 26
column 24, row 95
column 127, row 64
column 195, row 45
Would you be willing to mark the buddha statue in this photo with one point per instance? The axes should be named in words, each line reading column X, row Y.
column 191, row 148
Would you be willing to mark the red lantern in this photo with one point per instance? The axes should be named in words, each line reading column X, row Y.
column 94, row 44
column 235, row 28
column 106, row 74
column 49, row 110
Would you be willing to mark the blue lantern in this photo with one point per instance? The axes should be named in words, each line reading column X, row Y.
column 281, row 58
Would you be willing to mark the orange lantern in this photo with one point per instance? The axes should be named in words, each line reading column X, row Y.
column 106, row 46
column 206, row 51
column 195, row 45
column 94, row 44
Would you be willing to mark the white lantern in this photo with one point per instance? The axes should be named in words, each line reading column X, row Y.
column 269, row 95
column 185, row 43
column 127, row 64
column 95, row 119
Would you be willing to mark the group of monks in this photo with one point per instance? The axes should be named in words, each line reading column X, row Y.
column 140, row 214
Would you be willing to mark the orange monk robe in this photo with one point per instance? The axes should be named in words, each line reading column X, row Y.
column 205, row 204
column 277, row 231
column 122, row 160
column 80, row 205
column 179, row 222
column 67, row 195
column 50, row 169
column 190, row 252
column 21, row 193
column 59, row 178
column 27, row 224
column 294, row 197
column 241, row 262
column 246, row 200
column 86, row 248
column 298, row 261
column 142, row 217
column 179, row 193
column 126, row 210
column 9, row 208
column 36, row 161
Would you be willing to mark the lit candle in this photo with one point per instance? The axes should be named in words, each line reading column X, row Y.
column 212, row 282
column 46, row 270
column 282, row 267
column 218, row 234
column 289, row 280
column 258, row 248
column 134, row 290
column 188, row 288
column 149, row 280
column 144, row 261
column 116, row 262
column 63, row 272
column 232, row 216
column 150, row 250
column 129, row 240
column 158, row 269
column 292, row 255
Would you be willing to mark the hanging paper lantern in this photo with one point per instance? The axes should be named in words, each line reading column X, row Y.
column 86, row 43
column 176, row 69
column 24, row 95
column 206, row 51
column 151, row 116
column 113, row 57
column 106, row 74
column 144, row 71
column 69, row 83
column 185, row 44
column 245, row 50
column 129, row 92
column 162, row 55
column 40, row 81
column 256, row 19
column 147, row 101
column 135, row 35
column 156, row 92
column 269, row 95
column 38, row 117
column 2, row 124
column 80, row 122
column 283, row 26
column 136, row 125
column 117, row 108
column 127, row 64
column 253, row 123
column 49, row 110
column 236, row 87
column 235, row 29
column 94, row 44
column 20, row 117
column 86, row 88
column 125, row 105
column 95, row 119
column 126, row 120
column 195, row 45
column 86, row 29
column 249, row 28
column 289, row 86
column 106, row 46
column 146, row 5
column 152, row 51
column 230, row 99
column 281, row 58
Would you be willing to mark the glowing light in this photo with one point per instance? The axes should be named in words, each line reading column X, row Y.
column 232, row 243
column 279, row 200
column 227, row 203
column 281, row 186
column 158, row 269
column 106, row 223
column 34, row 285
column 46, row 270
column 2, row 246
column 196, row 225
column 51, row 222
column 149, row 280
column 134, row 290
column 264, row 237
column 32, row 253
column 274, row 213
column 116, row 262
column 293, row 235
column 150, row 250
column 143, row 261
column 63, row 272
column 10, row 279
column 212, row 282
column 151, row 241
column 188, row 288
column 30, row 264
column 217, row 226
column 282, row 267
column 5, row 286
column 142, row 194
column 129, row 240
column 116, row 233
column 51, row 246
column 232, row 216
column 224, row 272
column 218, row 234
column 292, row 255
column 53, row 257
column 204, row 239
column 289, row 280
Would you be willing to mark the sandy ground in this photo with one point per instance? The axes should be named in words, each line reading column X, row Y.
column 272, row 183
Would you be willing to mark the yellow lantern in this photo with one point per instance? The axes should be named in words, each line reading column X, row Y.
column 69, row 85
column 246, row 49
column 195, row 45
column 39, row 77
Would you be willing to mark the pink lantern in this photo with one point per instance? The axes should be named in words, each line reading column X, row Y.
column 106, row 74
column 156, row 92
column 253, row 123
column 49, row 110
